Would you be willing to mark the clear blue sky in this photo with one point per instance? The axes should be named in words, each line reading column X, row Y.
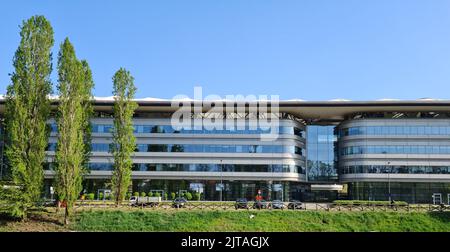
column 313, row 50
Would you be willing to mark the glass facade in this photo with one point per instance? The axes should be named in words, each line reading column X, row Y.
column 232, row 189
column 400, row 169
column 219, row 168
column 395, row 130
column 107, row 128
column 395, row 149
column 406, row 138
column 409, row 192
column 321, row 144
column 197, row 167
column 209, row 189
column 104, row 147
column 321, row 152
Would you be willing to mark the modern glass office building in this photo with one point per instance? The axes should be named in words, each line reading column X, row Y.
column 375, row 150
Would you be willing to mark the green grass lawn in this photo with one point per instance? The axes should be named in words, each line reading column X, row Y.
column 197, row 220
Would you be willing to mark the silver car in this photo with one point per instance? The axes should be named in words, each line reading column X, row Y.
column 277, row 204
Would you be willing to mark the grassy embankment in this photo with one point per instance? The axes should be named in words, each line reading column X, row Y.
column 230, row 220
column 137, row 220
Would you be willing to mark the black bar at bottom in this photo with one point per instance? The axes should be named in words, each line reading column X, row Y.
column 222, row 241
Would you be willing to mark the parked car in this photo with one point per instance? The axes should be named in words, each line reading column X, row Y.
column 241, row 203
column 295, row 204
column 261, row 204
column 277, row 204
column 179, row 203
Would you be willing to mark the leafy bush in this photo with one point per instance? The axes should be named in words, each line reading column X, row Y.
column 128, row 195
column 166, row 196
column 157, row 194
column 100, row 196
column 135, row 194
column 196, row 196
column 143, row 194
column 150, row 194
column 188, row 196
column 172, row 195
column 90, row 196
column 11, row 202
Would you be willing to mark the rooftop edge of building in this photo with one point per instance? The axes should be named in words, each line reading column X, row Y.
column 336, row 109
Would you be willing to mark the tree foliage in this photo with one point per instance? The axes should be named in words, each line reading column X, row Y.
column 124, row 141
column 11, row 200
column 88, row 110
column 72, row 154
column 28, row 109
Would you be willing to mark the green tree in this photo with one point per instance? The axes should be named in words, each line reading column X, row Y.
column 74, row 87
column 88, row 112
column 28, row 109
column 124, row 141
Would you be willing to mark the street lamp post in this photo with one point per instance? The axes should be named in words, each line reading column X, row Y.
column 221, row 180
column 389, row 187
column 389, row 182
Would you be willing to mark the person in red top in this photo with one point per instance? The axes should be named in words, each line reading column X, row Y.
column 258, row 197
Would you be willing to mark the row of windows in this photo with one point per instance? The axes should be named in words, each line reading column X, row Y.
column 104, row 147
column 396, row 169
column 395, row 130
column 107, row 128
column 400, row 191
column 198, row 167
column 320, row 145
column 395, row 149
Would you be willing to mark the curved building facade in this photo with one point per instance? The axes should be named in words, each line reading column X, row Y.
column 410, row 157
column 373, row 150
column 207, row 159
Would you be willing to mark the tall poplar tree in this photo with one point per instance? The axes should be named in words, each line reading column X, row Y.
column 124, row 141
column 88, row 112
column 28, row 109
column 74, row 87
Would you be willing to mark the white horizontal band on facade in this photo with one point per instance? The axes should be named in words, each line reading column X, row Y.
column 178, row 175
column 380, row 177
column 325, row 187
column 211, row 160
